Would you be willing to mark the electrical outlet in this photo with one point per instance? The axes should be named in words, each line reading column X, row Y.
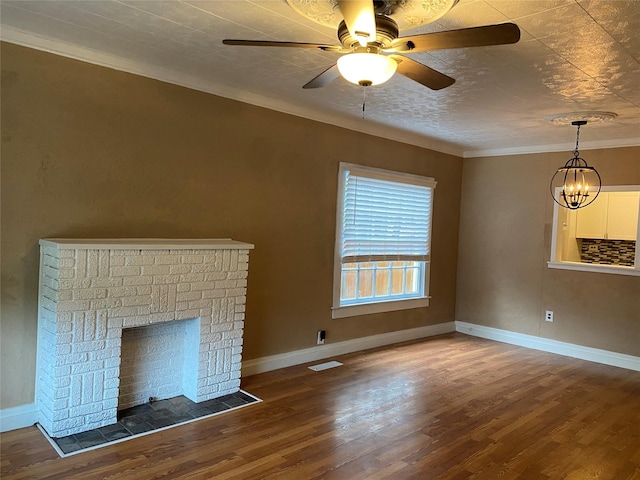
column 548, row 317
column 321, row 336
column 593, row 249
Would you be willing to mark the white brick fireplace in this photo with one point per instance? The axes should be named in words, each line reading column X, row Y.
column 189, row 295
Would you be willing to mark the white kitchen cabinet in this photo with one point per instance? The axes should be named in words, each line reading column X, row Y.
column 591, row 221
column 622, row 217
column 612, row 216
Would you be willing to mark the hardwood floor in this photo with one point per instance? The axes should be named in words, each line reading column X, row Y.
column 450, row 407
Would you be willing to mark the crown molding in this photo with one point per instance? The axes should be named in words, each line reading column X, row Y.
column 87, row 55
column 556, row 147
column 28, row 39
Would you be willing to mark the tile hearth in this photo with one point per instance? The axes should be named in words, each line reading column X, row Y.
column 146, row 418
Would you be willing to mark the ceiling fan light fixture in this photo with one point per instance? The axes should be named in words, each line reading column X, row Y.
column 366, row 68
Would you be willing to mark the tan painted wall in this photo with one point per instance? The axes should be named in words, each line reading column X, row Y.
column 92, row 152
column 505, row 241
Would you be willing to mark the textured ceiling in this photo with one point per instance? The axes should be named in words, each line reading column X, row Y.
column 573, row 56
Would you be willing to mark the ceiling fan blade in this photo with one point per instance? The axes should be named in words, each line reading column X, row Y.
column 360, row 19
column 427, row 76
column 501, row 34
column 269, row 43
column 325, row 78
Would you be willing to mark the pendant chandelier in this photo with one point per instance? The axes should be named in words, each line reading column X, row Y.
column 579, row 183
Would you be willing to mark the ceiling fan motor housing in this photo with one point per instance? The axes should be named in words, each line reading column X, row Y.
column 373, row 50
column 386, row 32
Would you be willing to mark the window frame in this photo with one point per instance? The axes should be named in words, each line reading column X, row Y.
column 340, row 310
column 374, row 269
column 555, row 258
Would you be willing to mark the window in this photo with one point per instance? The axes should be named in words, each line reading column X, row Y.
column 600, row 237
column 383, row 241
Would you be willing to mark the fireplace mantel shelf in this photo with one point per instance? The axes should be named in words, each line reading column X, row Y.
column 145, row 243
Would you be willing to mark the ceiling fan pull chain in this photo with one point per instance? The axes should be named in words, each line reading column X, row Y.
column 364, row 98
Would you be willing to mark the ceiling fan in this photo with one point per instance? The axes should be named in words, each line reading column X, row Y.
column 369, row 39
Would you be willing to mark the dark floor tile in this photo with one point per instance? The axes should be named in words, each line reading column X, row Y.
column 161, row 405
column 233, row 401
column 161, row 422
column 70, row 448
column 221, row 407
column 137, row 410
column 68, row 444
column 180, row 417
column 180, row 400
column 245, row 397
column 114, row 432
column 109, row 428
column 198, row 412
column 162, row 413
column 113, row 436
column 90, row 438
column 183, row 409
column 138, row 428
column 214, row 405
column 136, row 419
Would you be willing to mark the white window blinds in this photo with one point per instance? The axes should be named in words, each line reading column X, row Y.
column 386, row 216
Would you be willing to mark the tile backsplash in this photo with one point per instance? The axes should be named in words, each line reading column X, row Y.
column 608, row 252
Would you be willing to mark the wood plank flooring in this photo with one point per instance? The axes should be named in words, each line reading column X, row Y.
column 450, row 407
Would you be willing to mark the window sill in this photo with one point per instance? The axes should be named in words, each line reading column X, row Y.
column 594, row 267
column 379, row 307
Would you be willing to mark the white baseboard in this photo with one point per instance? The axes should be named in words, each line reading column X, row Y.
column 552, row 346
column 26, row 415
column 18, row 417
column 297, row 357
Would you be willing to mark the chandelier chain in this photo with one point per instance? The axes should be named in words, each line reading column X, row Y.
column 576, row 152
